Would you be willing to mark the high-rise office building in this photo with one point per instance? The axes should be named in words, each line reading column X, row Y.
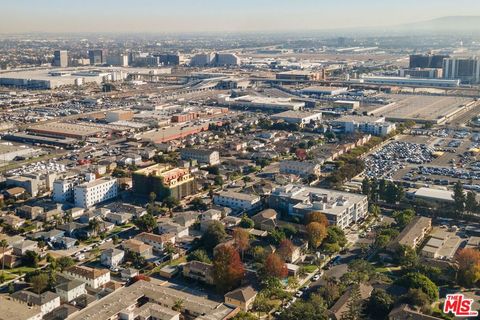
column 60, row 58
column 465, row 69
column 118, row 60
column 427, row 60
column 97, row 56
column 168, row 59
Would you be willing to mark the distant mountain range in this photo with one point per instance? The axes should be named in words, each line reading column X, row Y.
column 445, row 24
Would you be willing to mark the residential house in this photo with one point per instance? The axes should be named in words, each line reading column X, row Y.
column 178, row 230
column 185, row 219
column 112, row 257
column 13, row 221
column 158, row 242
column 137, row 246
column 404, row 312
column 128, row 273
column 265, row 220
column 200, row 271
column 341, row 306
column 70, row 290
column 20, row 248
column 29, row 212
column 119, row 218
column 242, row 298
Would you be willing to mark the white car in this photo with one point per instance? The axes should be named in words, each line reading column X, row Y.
column 316, row 277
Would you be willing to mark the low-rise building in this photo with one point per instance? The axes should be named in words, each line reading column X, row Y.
column 94, row 278
column 442, row 244
column 200, row 271
column 341, row 208
column 376, row 126
column 413, row 234
column 46, row 301
column 237, row 200
column 112, row 258
column 202, row 156
column 158, row 242
column 300, row 168
column 298, row 117
column 13, row 309
column 70, row 290
column 137, row 246
column 242, row 298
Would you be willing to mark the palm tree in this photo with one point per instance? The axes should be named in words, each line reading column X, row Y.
column 94, row 225
column 3, row 245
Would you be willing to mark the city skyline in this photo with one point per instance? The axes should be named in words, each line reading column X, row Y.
column 213, row 15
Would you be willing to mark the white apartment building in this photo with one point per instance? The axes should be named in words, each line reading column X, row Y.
column 209, row 157
column 237, row 200
column 300, row 168
column 90, row 193
column 341, row 208
column 63, row 191
column 94, row 278
column 376, row 126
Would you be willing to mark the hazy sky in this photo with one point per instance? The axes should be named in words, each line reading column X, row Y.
column 18, row 16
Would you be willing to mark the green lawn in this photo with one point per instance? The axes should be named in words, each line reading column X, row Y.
column 310, row 268
column 20, row 270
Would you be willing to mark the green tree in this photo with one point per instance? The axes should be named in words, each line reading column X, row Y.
column 354, row 305
column 276, row 236
column 246, row 222
column 214, row 235
column 379, row 304
column 64, row 262
column 198, row 204
column 375, row 210
column 146, row 223
column 402, row 218
column 312, row 309
column 366, row 187
column 170, row 202
column 242, row 315
column 31, row 259
column 407, row 257
column 218, row 181
column 471, row 204
column 459, row 198
column 39, row 282
column 422, row 282
column 152, row 196
column 94, row 225
column 199, row 255
column 4, row 246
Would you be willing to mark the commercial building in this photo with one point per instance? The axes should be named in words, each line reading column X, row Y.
column 427, row 60
column 9, row 151
column 226, row 59
column 90, row 193
column 164, row 181
column 261, row 103
column 341, row 208
column 300, row 168
column 346, row 105
column 202, row 59
column 60, row 58
column 301, row 75
column 298, row 117
column 413, row 234
column 120, row 60
column 173, row 133
column 237, row 200
column 66, row 130
column 119, row 115
column 427, row 73
column 400, row 81
column 149, row 300
column 202, row 156
column 324, row 91
column 97, row 56
column 434, row 195
column 376, row 126
column 169, row 59
column 67, row 143
column 465, row 69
